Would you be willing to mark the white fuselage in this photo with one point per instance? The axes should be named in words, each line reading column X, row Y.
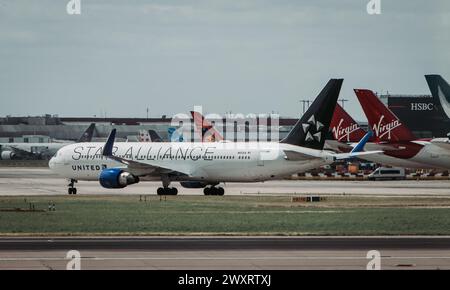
column 209, row 162
column 426, row 155
column 434, row 156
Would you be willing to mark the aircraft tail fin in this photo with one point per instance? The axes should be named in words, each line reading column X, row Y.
column 358, row 150
column 149, row 136
column 440, row 90
column 310, row 131
column 87, row 135
column 207, row 130
column 360, row 146
column 154, row 137
column 344, row 128
column 383, row 122
column 108, row 147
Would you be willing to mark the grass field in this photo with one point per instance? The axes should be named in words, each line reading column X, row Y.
column 228, row 215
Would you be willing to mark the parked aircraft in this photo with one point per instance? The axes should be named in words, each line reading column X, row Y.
column 400, row 146
column 40, row 150
column 205, row 165
column 346, row 131
column 440, row 90
column 149, row 136
column 205, row 129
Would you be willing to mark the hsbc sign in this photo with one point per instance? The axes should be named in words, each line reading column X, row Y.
column 422, row 106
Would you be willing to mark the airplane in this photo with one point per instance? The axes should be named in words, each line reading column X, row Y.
column 396, row 140
column 149, row 136
column 154, row 137
column 174, row 135
column 346, row 132
column 205, row 165
column 40, row 150
column 205, row 129
column 440, row 90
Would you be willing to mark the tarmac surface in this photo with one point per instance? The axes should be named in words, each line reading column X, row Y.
column 226, row 253
column 41, row 181
column 223, row 253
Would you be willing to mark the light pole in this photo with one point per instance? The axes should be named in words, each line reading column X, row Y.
column 343, row 102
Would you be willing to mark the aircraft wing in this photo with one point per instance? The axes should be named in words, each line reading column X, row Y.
column 17, row 150
column 135, row 167
column 355, row 154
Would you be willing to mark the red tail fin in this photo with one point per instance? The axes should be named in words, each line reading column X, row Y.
column 344, row 128
column 209, row 134
column 384, row 124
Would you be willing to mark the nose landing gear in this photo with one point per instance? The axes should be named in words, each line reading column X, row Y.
column 72, row 189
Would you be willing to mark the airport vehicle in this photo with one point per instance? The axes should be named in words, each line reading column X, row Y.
column 205, row 165
column 40, row 150
column 400, row 147
column 386, row 173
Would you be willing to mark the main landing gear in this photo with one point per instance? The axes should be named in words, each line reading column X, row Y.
column 72, row 189
column 214, row 190
column 166, row 190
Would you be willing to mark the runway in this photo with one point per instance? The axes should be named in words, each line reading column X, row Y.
column 41, row 181
column 226, row 253
column 223, row 253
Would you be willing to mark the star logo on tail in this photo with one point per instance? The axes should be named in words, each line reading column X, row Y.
column 312, row 129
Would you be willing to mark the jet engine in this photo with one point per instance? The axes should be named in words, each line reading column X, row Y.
column 193, row 184
column 116, row 178
column 8, row 155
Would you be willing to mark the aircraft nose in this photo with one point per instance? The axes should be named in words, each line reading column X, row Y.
column 54, row 162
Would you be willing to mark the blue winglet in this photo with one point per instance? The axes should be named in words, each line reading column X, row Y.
column 360, row 146
column 107, row 149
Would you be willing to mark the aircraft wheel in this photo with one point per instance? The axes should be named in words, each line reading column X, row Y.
column 160, row 191
column 72, row 190
column 173, row 191
column 220, row 191
column 207, row 191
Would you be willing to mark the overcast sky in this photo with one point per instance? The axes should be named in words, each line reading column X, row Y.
column 120, row 57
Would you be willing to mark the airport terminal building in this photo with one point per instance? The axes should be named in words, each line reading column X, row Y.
column 21, row 129
column 422, row 114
